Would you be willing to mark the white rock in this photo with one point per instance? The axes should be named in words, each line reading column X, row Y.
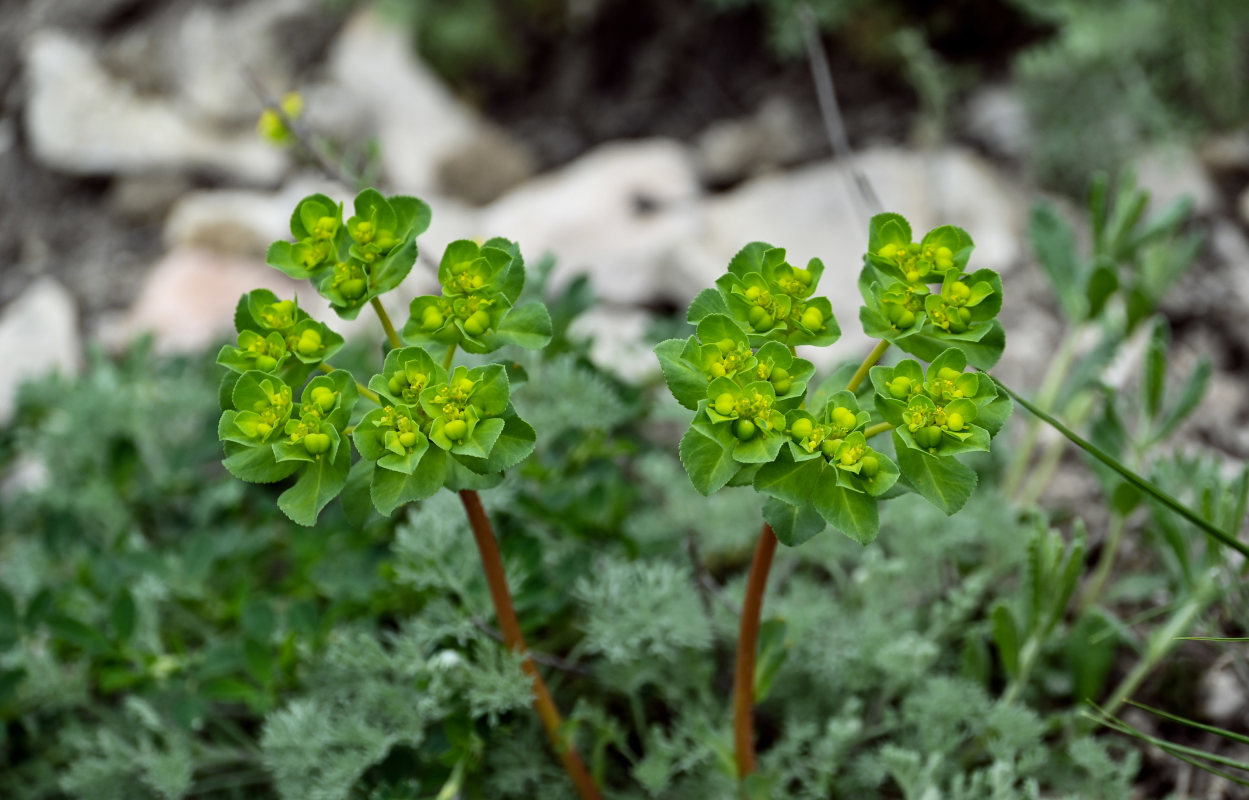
column 81, row 120
column 619, row 340
column 729, row 150
column 1224, row 696
column 38, row 334
column 1171, row 173
column 420, row 125
column 995, row 116
column 622, row 213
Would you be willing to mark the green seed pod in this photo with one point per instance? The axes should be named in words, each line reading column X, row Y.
column 888, row 251
column 263, row 428
column 802, row 428
column 844, row 418
column 948, row 374
column 308, row 345
column 456, row 429
column 913, row 276
column 756, row 314
column 408, row 438
column 944, row 252
column 802, row 276
column 726, row 345
column 779, row 374
column 744, row 429
column 431, row 319
column 396, row 384
column 465, row 385
column 477, row 323
column 960, row 290
column 928, row 436
column 894, row 311
column 323, row 397
column 317, row 443
column 900, row 387
column 813, row 319
column 869, row 466
column 724, row 404
column 265, row 363
column 352, row 289
column 753, row 292
column 829, row 447
column 964, row 315
column 905, row 320
column 944, row 264
column 783, row 387
column 765, row 324
column 717, row 369
column 954, row 421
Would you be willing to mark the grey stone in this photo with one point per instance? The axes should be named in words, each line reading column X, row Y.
column 38, row 335
column 730, row 150
column 995, row 116
column 1171, row 173
column 82, row 121
column 487, row 165
column 623, row 212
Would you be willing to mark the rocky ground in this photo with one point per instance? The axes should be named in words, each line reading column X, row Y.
column 136, row 195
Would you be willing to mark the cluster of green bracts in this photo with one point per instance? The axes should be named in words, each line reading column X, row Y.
column 920, row 297
column 431, row 425
column 756, row 423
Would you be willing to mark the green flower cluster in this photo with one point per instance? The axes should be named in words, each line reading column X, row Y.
column 920, row 297
column 278, row 337
column 756, row 422
column 432, row 425
column 477, row 309
column 352, row 263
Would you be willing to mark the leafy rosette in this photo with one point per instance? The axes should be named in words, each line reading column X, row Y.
column 744, row 419
column 772, row 299
column 919, row 297
column 406, row 372
column 477, row 309
column 317, row 227
column 268, row 437
column 891, row 252
column 719, row 349
column 278, row 337
column 828, row 473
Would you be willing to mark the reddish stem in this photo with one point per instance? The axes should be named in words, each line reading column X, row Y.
column 747, row 646
column 543, row 704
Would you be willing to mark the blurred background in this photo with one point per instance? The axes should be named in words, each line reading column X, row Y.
column 639, row 144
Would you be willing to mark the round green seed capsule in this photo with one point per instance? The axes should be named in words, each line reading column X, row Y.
column 431, row 319
column 717, row 369
column 829, row 447
column 779, row 374
column 964, row 315
column 783, row 387
column 744, row 429
column 944, row 252
column 900, row 387
column 888, row 251
column 944, row 264
column 322, row 397
column 408, row 438
column 476, row 323
column 308, row 344
column 913, row 276
column 960, row 290
column 395, row 384
column 869, row 466
column 753, row 292
column 905, row 320
column 265, row 363
column 756, row 314
column 802, row 276
column 726, row 345
column 813, row 319
column 765, row 324
column 724, row 404
column 317, row 443
column 352, row 289
column 456, row 429
column 954, row 421
column 263, row 428
column 802, row 428
column 948, row 374
column 929, row 436
column 465, row 385
column 844, row 418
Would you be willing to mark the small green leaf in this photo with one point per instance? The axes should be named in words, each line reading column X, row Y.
column 9, row 626
column 773, row 649
column 794, row 482
column 392, row 489
column 78, row 634
column 1154, row 380
column 527, row 326
column 1190, row 396
column 853, row 513
column 942, row 481
column 1102, row 284
column 1053, row 241
column 708, row 301
column 515, row 442
column 122, row 615
column 257, row 619
column 256, row 463
column 793, row 525
column 318, row 484
column 391, row 270
column 708, row 462
column 356, row 501
column 687, row 382
column 886, row 229
column 1006, row 637
column 412, row 215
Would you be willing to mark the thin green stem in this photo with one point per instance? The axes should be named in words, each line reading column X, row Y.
column 364, row 391
column 1097, row 581
column 861, row 373
column 449, row 358
column 1046, row 396
column 877, row 429
column 391, row 335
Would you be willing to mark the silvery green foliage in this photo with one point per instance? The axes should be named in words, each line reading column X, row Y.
column 564, row 395
column 141, row 756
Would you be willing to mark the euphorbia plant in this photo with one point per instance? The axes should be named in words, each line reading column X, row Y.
column 425, row 423
column 814, row 454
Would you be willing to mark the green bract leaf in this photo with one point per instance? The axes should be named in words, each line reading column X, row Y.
column 256, row 463
column 687, row 383
column 310, row 211
column 406, row 372
column 412, row 215
column 318, row 484
column 528, row 326
column 886, row 229
column 792, row 524
column 850, row 512
column 708, row 301
column 707, row 460
column 942, row 481
column 513, row 444
column 390, row 489
column 393, row 436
